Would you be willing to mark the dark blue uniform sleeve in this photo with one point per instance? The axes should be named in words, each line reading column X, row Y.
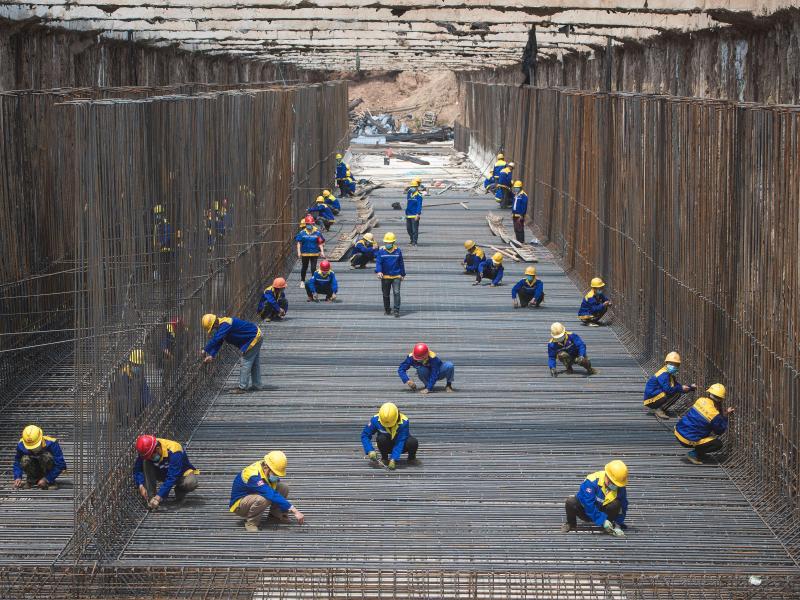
column 334, row 284
column 403, row 368
column 436, row 367
column 18, row 472
column 215, row 343
column 538, row 290
column 173, row 473
column 273, row 302
column 402, row 264
column 663, row 382
column 400, row 441
column 311, row 284
column 552, row 351
column 138, row 472
column 366, row 436
column 579, row 345
column 378, row 267
column 498, row 275
column 256, row 485
column 588, row 500
column 719, row 424
column 517, row 287
column 59, row 464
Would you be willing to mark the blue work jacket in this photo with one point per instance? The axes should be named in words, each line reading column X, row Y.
column 309, row 241
column 320, row 280
column 505, row 177
column 534, row 289
column 52, row 446
column 414, row 205
column 700, row 422
column 323, row 211
column 333, row 202
column 253, row 480
column 494, row 270
column 242, row 334
column 520, row 205
column 498, row 166
column 433, row 362
column 390, row 263
column 660, row 385
column 341, row 170
column 570, row 343
column 399, row 434
column 173, row 463
column 474, row 257
column 270, row 297
column 592, row 304
column 594, row 495
column 364, row 246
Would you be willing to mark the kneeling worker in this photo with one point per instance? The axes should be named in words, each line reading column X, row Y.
column 162, row 460
column 364, row 251
column 528, row 291
column 663, row 389
column 491, row 268
column 595, row 304
column 429, row 367
column 39, row 459
column 475, row 256
column 567, row 348
column 323, row 281
column 274, row 305
column 700, row 427
column 258, row 488
column 602, row 500
column 393, row 437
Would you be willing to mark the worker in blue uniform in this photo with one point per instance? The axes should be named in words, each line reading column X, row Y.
column 38, row 461
column 502, row 190
column 700, row 427
column 391, row 270
column 349, row 184
column 342, row 171
column 595, row 304
column 310, row 246
column 258, row 489
column 245, row 336
column 160, row 459
column 499, row 165
column 602, row 500
column 430, row 369
column 474, row 257
column 519, row 210
column 322, row 213
column 663, row 389
column 488, row 182
column 413, row 211
column 273, row 305
column 332, row 202
column 391, row 430
column 491, row 268
column 568, row 348
column 364, row 251
column 323, row 282
column 528, row 291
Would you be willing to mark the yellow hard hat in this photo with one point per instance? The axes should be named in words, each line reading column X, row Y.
column 530, row 271
column 673, row 357
column 597, row 283
column 276, row 461
column 326, row 192
column 369, row 236
column 158, row 209
column 137, row 356
column 32, row 437
column 497, row 257
column 517, row 183
column 415, row 181
column 338, row 156
column 557, row 331
column 500, row 156
column 320, row 199
column 208, row 322
column 388, row 414
column 469, row 244
column 348, row 172
column 718, row 390
column 389, row 237
column 511, row 164
column 617, row 472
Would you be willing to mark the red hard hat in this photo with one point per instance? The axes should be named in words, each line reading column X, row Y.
column 309, row 220
column 279, row 283
column 420, row 351
column 146, row 445
column 325, row 266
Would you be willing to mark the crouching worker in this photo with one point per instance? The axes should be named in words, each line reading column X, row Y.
column 663, row 389
column 391, row 429
column 323, row 281
column 162, row 460
column 700, row 427
column 259, row 489
column 602, row 500
column 491, row 268
column 429, row 367
column 567, row 348
column 475, row 256
column 332, row 202
column 364, row 252
column 39, row 460
column 528, row 291
column 274, row 305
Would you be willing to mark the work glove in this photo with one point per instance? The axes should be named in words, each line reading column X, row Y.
column 516, row 303
column 617, row 531
column 425, row 391
column 411, row 384
column 553, row 373
column 608, row 526
column 373, row 456
column 392, row 465
column 154, row 502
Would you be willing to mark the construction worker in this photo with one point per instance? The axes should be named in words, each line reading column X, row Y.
column 170, row 341
column 163, row 460
column 310, row 246
column 323, row 281
column 345, row 182
column 349, row 184
column 699, row 428
column 519, row 209
column 258, row 489
column 499, row 165
column 474, row 257
column 429, row 367
column 567, row 348
column 323, row 213
column 594, row 304
column 332, row 202
column 171, row 352
column 502, row 190
column 528, row 291
column 391, row 270
column 39, row 459
column 363, row 252
column 246, row 336
column 164, row 245
column 413, row 211
column 488, row 182
column 662, row 389
column 391, row 430
column 273, row 305
column 602, row 500
column 491, row 268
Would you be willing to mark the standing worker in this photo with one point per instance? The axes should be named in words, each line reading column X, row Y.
column 499, row 165
column 700, row 427
column 474, row 257
column 429, row 367
column 332, row 202
column 246, row 336
column 567, row 348
column 310, row 246
column 391, row 429
column 323, row 281
column 363, row 252
column 323, row 213
column 164, row 460
column 663, row 389
column 258, row 489
column 519, row 209
column 502, row 189
column 342, row 173
column 391, row 271
column 413, row 211
column 602, row 500
column 528, row 291
column 594, row 304
column 273, row 305
column 39, row 459
column 491, row 268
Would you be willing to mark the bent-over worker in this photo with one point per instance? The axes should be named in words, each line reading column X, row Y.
column 700, row 427
column 430, row 369
column 392, row 435
column 602, row 500
column 491, row 268
column 246, row 336
column 163, row 460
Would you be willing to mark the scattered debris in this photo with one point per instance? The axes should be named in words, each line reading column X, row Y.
column 498, row 229
column 413, row 159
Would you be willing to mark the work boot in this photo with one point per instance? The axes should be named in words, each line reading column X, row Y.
column 238, row 390
column 593, row 324
column 661, row 414
column 414, row 461
column 250, row 527
column 693, row 457
column 566, row 528
column 180, row 495
column 387, row 312
column 449, row 388
column 396, row 312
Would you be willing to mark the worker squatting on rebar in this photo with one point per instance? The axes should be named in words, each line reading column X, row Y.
column 246, row 336
column 519, row 209
column 332, row 202
column 363, row 252
column 273, row 305
column 38, row 461
column 662, row 389
column 258, row 489
column 413, row 210
column 166, row 461
column 568, row 348
column 344, row 179
column 322, row 282
column 492, row 269
column 594, row 305
column 430, row 369
column 391, row 270
column 474, row 257
column 699, row 429
column 391, row 430
column 602, row 500
column 310, row 246
column 528, row 291
column 322, row 213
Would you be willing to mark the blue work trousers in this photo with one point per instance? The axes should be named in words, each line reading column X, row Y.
column 250, row 368
column 447, row 372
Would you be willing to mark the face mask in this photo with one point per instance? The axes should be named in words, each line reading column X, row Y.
column 390, row 245
column 155, row 458
column 309, row 227
column 273, row 478
column 517, row 190
column 530, row 278
column 672, row 369
column 612, row 487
